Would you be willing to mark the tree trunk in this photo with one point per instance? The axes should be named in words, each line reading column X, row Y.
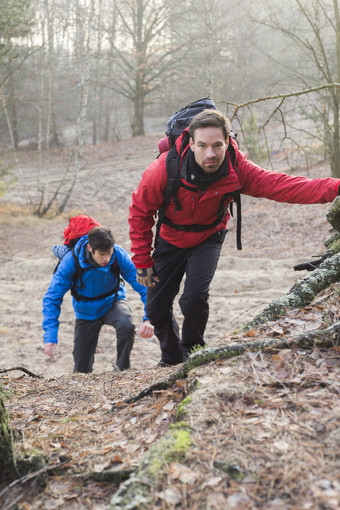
column 9, row 124
column 335, row 160
column 8, row 469
column 138, row 115
column 13, row 113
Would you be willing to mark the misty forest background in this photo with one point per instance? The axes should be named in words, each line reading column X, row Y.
column 83, row 72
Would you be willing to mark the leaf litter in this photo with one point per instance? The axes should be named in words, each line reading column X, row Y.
column 264, row 427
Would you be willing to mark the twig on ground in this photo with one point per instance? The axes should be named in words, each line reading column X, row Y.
column 23, row 369
column 32, row 475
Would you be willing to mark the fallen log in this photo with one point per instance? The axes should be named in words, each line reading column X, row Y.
column 135, row 493
column 303, row 292
column 327, row 337
column 333, row 215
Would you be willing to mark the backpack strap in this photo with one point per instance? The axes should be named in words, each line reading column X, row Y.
column 237, row 200
column 172, row 170
column 236, row 196
column 78, row 275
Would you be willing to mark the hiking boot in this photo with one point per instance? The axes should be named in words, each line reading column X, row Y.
column 186, row 354
column 186, row 350
column 163, row 364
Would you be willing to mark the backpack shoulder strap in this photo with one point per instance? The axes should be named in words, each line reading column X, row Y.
column 172, row 163
column 78, row 274
column 237, row 199
column 115, row 269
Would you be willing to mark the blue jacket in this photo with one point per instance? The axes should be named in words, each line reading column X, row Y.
column 96, row 281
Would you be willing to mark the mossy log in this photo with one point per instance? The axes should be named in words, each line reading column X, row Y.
column 136, row 493
column 333, row 215
column 326, row 337
column 333, row 242
column 303, row 292
column 7, row 460
column 306, row 289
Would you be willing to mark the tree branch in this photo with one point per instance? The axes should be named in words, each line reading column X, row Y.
column 279, row 96
column 23, row 369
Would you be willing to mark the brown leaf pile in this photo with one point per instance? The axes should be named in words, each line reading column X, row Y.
column 69, row 420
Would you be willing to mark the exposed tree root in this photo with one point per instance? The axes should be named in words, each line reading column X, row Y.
column 31, row 475
column 303, row 292
column 108, row 475
column 327, row 337
column 135, row 493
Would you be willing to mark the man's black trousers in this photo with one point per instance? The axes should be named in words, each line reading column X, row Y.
column 171, row 263
column 86, row 335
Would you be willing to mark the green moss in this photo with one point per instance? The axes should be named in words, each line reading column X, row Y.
column 181, row 412
column 135, row 492
column 6, row 392
column 169, row 448
column 180, row 425
column 335, row 246
column 196, row 348
column 6, row 445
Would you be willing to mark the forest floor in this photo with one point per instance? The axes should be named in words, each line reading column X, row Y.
column 264, row 426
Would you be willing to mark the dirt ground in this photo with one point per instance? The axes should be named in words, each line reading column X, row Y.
column 275, row 238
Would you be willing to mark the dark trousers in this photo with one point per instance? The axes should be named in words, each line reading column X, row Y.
column 171, row 263
column 86, row 335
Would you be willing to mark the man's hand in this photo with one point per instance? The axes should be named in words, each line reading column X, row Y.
column 146, row 330
column 147, row 277
column 50, row 349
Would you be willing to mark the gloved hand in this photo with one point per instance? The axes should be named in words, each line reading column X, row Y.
column 147, row 277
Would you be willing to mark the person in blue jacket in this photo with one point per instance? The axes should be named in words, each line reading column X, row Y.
column 91, row 271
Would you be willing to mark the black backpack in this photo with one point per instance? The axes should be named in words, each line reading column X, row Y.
column 175, row 126
column 78, row 275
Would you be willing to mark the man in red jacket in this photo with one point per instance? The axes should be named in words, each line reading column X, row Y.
column 192, row 233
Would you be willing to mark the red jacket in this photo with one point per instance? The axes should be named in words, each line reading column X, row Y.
column 201, row 208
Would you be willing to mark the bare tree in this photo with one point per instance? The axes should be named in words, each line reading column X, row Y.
column 311, row 30
column 16, row 21
column 143, row 52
